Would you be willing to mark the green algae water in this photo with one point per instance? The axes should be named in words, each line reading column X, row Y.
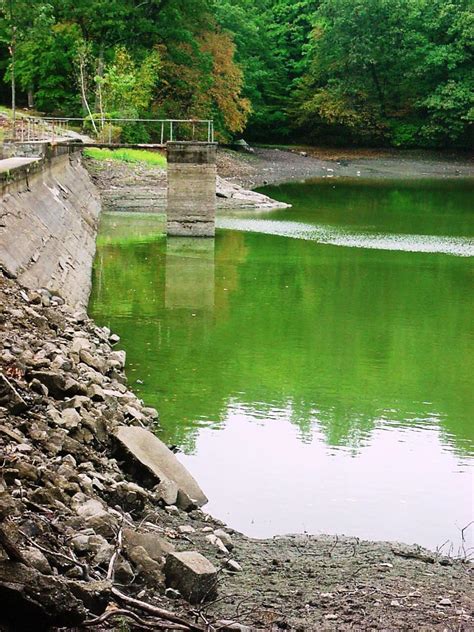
column 314, row 365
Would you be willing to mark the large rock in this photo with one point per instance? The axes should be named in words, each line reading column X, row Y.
column 151, row 454
column 156, row 547
column 32, row 601
column 57, row 384
column 240, row 198
column 192, row 574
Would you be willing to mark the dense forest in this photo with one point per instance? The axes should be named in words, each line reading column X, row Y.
column 371, row 72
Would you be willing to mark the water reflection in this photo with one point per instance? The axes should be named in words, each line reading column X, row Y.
column 301, row 376
column 189, row 273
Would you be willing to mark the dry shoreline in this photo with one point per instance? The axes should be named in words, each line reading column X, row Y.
column 132, row 187
column 55, row 462
column 274, row 166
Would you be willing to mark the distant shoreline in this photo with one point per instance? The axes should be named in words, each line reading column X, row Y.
column 275, row 166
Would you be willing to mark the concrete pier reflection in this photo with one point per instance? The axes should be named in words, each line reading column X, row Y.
column 189, row 273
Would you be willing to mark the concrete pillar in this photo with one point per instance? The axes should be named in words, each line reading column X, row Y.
column 191, row 206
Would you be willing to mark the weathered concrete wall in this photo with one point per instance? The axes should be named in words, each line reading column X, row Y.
column 191, row 207
column 49, row 214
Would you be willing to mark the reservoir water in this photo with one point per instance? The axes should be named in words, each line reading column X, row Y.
column 315, row 365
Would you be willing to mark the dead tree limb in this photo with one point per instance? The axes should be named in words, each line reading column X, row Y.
column 152, row 625
column 157, row 612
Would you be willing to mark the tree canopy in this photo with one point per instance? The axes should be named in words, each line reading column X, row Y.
column 391, row 72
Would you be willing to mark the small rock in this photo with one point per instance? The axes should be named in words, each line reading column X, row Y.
column 233, row 566
column 186, row 528
column 80, row 543
column 217, row 542
column 80, row 316
column 172, row 510
column 96, row 393
column 92, row 360
column 123, row 571
column 37, row 560
column 39, row 388
column 225, row 538
column 91, row 509
column 445, row 602
column 117, row 359
column 70, row 418
column 172, row 593
column 152, row 413
column 331, row 617
column 395, row 604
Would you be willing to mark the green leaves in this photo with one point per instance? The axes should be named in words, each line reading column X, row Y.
column 352, row 71
column 390, row 70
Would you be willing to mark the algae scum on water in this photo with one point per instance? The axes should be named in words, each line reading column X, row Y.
column 314, row 364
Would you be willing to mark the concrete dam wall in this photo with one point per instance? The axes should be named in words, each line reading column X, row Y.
column 49, row 215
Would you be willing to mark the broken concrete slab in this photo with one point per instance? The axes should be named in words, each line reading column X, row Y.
column 149, row 453
column 192, row 574
column 240, row 198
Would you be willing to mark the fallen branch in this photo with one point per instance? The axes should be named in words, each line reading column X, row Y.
column 84, row 568
column 158, row 612
column 118, row 550
column 132, row 615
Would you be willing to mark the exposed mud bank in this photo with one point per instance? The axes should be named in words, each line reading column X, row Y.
column 273, row 166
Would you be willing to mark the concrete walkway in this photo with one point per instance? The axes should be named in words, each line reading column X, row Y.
column 12, row 163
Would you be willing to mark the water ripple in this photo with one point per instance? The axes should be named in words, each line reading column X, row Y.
column 457, row 246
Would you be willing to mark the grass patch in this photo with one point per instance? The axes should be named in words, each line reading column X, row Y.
column 127, row 155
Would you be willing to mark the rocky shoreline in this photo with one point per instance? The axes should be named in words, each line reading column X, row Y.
column 74, row 524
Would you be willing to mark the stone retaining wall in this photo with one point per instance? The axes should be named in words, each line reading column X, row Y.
column 49, row 215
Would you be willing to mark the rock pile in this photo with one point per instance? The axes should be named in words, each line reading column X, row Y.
column 94, row 508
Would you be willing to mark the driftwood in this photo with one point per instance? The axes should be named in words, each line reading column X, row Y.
column 119, row 612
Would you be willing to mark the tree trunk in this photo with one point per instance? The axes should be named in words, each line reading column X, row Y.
column 31, row 98
column 378, row 89
column 13, row 84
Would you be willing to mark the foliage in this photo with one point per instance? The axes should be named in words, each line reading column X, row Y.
column 356, row 82
column 128, row 86
column 127, row 155
column 393, row 72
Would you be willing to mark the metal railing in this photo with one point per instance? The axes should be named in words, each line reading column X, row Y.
column 54, row 129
